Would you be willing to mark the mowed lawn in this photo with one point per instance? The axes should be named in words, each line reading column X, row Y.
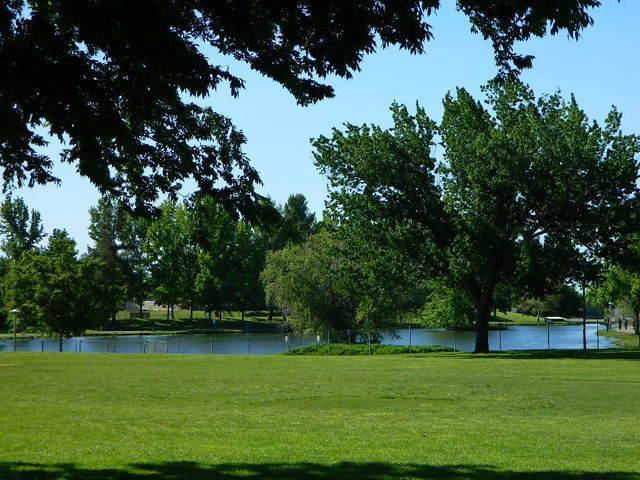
column 440, row 416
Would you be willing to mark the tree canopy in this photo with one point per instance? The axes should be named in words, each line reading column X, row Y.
column 20, row 229
column 527, row 188
column 130, row 122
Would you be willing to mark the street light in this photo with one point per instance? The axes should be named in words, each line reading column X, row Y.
column 15, row 313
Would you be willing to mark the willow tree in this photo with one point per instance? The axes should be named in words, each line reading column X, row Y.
column 525, row 188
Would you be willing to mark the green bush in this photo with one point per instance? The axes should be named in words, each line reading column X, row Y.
column 359, row 349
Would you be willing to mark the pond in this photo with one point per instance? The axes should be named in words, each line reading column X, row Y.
column 513, row 338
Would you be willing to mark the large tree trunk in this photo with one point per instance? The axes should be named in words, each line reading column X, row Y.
column 168, row 312
column 483, row 299
column 140, row 311
column 172, row 315
column 190, row 310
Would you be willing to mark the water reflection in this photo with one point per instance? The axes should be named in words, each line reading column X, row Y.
column 514, row 338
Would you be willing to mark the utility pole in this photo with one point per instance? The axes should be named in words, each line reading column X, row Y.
column 14, row 313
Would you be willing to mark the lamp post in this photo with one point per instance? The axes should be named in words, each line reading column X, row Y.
column 14, row 313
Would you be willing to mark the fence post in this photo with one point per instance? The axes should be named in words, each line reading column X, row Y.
column 548, row 336
column 212, row 345
column 410, row 339
column 500, row 337
column 248, row 344
column 454, row 341
column 597, row 335
column 80, row 346
column 42, row 345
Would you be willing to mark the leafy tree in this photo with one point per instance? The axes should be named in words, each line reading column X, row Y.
column 104, row 264
column 168, row 245
column 525, row 184
column 297, row 221
column 45, row 287
column 132, row 233
column 247, row 261
column 620, row 286
column 326, row 283
column 129, row 121
column 446, row 305
column 102, row 298
column 214, row 233
column 565, row 302
column 306, row 281
column 5, row 264
column 21, row 230
column 503, row 297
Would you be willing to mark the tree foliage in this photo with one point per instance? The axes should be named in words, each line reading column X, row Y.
column 325, row 284
column 20, row 229
column 620, row 286
column 130, row 123
column 48, row 289
column 104, row 263
column 446, row 305
column 527, row 186
column 307, row 282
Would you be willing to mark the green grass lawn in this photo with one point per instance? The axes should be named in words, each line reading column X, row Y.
column 623, row 340
column 514, row 318
column 437, row 416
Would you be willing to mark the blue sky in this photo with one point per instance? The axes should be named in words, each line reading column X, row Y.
column 602, row 69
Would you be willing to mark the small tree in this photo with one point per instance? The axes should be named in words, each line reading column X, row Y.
column 306, row 281
column 622, row 287
column 46, row 287
column 20, row 229
column 214, row 232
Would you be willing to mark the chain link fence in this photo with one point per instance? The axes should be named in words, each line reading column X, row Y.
column 513, row 338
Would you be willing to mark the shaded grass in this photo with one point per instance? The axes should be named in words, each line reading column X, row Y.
column 530, row 415
column 288, row 471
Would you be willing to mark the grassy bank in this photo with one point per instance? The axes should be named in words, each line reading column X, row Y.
column 623, row 340
column 359, row 349
column 181, row 323
column 537, row 416
column 514, row 318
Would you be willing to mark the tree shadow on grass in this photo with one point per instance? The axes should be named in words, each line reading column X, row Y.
column 604, row 354
column 311, row 471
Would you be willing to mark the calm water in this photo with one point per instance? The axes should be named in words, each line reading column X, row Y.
column 515, row 338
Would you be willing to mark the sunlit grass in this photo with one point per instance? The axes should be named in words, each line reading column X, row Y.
column 432, row 416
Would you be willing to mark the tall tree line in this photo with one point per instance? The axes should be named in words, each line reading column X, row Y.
column 193, row 254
